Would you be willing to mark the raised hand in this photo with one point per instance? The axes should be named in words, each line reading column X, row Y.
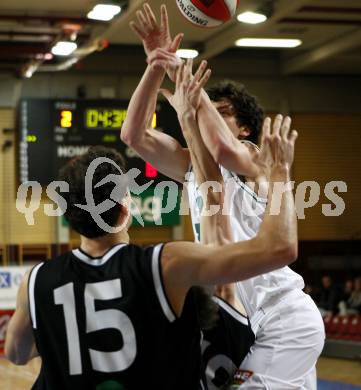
column 197, row 82
column 160, row 58
column 277, row 145
column 152, row 34
column 187, row 94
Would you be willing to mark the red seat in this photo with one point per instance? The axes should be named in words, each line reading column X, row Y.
column 342, row 329
column 328, row 324
column 333, row 329
column 355, row 328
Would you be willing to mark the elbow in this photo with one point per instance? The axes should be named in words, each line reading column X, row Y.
column 221, row 153
column 293, row 253
column 126, row 138
column 14, row 358
column 286, row 253
column 18, row 361
column 131, row 140
column 278, row 253
column 14, row 352
column 228, row 157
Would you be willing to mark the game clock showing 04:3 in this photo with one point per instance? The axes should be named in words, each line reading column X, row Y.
column 53, row 131
column 102, row 118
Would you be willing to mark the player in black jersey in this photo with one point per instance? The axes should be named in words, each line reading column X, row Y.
column 114, row 315
column 224, row 346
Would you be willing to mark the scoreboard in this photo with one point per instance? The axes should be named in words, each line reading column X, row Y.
column 53, row 131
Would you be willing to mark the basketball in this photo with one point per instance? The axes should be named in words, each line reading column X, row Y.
column 207, row 13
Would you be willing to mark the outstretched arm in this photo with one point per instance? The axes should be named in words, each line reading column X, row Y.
column 187, row 264
column 224, row 147
column 161, row 150
column 215, row 226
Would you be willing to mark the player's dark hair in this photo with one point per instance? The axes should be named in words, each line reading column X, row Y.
column 207, row 308
column 74, row 174
column 247, row 109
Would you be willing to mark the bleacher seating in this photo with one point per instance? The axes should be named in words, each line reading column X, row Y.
column 343, row 337
column 343, row 327
column 355, row 328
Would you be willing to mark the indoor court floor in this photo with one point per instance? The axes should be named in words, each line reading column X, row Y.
column 333, row 374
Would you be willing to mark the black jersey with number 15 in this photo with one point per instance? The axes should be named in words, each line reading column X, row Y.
column 105, row 323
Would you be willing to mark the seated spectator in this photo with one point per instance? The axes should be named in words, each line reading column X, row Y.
column 329, row 297
column 347, row 291
column 352, row 305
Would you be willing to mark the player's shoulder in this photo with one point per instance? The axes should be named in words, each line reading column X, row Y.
column 140, row 252
column 143, row 260
column 130, row 254
column 54, row 262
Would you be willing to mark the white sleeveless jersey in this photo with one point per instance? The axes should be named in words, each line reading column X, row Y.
column 246, row 211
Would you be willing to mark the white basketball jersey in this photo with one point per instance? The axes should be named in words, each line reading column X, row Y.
column 246, row 211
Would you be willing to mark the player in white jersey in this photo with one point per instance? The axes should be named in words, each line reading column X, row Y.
column 289, row 329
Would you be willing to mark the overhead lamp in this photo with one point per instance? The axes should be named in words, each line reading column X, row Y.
column 104, row 12
column 44, row 56
column 187, row 53
column 268, row 42
column 28, row 73
column 48, row 56
column 29, row 69
column 252, row 17
column 64, row 48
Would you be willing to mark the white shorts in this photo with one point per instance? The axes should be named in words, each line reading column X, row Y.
column 290, row 337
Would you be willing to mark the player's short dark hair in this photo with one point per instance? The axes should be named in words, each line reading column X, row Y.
column 248, row 110
column 74, row 174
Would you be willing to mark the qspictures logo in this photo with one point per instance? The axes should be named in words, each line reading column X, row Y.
column 164, row 198
column 192, row 13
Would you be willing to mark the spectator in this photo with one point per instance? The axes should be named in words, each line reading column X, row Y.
column 352, row 305
column 348, row 289
column 329, row 297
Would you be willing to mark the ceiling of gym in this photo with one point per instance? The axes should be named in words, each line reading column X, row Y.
column 330, row 31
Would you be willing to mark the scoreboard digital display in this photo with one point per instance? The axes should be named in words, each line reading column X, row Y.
column 53, row 131
column 103, row 119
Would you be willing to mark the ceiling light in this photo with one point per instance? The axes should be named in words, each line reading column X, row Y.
column 64, row 48
column 266, row 42
column 187, row 53
column 28, row 73
column 48, row 56
column 30, row 69
column 251, row 17
column 104, row 12
column 44, row 56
